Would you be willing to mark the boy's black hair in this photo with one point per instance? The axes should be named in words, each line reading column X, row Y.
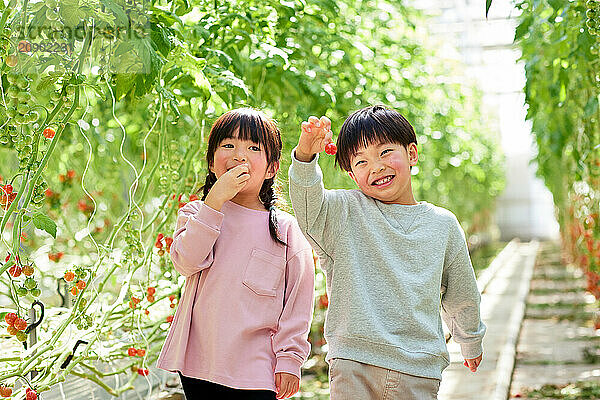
column 371, row 125
column 254, row 125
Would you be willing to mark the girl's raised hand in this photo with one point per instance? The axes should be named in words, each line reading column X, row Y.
column 316, row 134
column 227, row 186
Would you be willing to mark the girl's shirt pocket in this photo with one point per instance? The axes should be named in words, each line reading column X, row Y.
column 264, row 272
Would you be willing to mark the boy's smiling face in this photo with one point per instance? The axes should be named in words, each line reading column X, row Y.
column 382, row 171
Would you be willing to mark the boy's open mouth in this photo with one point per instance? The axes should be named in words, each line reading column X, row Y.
column 383, row 181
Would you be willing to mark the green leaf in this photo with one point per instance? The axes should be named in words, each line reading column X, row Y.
column 117, row 10
column 591, row 107
column 43, row 222
column 523, row 27
column 488, row 4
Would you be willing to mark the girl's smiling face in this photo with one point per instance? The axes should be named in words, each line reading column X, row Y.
column 382, row 171
column 233, row 151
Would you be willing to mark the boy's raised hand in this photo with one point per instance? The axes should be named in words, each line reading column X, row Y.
column 316, row 134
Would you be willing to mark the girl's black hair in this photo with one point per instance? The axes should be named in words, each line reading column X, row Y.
column 251, row 125
column 371, row 125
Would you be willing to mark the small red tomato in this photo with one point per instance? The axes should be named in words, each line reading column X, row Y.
column 330, row 149
column 49, row 133
column 151, row 290
column 169, row 318
column 150, row 298
column 132, row 351
column 172, row 298
column 159, row 237
column 20, row 324
column 10, row 318
column 15, row 271
column 69, row 276
column 5, row 391
column 146, row 312
column 74, row 291
column 12, row 330
column 141, row 352
column 28, row 270
column 80, row 285
column 135, row 300
column 70, row 174
column 31, row 395
column 143, row 371
column 8, row 188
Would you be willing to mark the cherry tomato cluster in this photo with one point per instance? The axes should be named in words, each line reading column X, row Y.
column 80, row 284
column 143, row 371
column 53, row 198
column 85, row 206
column 159, row 243
column 593, row 16
column 134, row 302
column 39, row 192
column 16, row 326
column 150, row 296
column 133, row 352
column 67, row 179
column 7, row 195
column 168, row 172
column 134, row 245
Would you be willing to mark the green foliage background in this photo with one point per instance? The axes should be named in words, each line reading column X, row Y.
column 132, row 99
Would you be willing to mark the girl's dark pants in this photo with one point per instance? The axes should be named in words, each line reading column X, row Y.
column 198, row 389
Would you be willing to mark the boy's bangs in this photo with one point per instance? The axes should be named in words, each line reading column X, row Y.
column 361, row 139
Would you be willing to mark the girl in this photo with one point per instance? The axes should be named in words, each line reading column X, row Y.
column 241, row 327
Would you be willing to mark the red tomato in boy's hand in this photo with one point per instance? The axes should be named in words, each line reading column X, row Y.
column 330, row 149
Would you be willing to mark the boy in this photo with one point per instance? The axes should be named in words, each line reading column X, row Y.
column 387, row 258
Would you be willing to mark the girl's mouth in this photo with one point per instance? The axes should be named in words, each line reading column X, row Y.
column 383, row 182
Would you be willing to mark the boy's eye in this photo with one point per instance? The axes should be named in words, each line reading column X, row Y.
column 383, row 152
column 255, row 148
column 359, row 162
column 228, row 145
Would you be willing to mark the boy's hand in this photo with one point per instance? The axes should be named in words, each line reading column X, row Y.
column 286, row 384
column 227, row 186
column 316, row 134
column 473, row 363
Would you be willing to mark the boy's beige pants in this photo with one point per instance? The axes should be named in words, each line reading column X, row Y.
column 352, row 380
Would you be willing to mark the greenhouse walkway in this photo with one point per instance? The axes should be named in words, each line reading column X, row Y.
column 504, row 286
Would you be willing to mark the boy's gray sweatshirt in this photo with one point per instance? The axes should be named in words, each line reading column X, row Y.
column 389, row 268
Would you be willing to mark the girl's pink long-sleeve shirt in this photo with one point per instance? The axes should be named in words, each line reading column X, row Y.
column 247, row 304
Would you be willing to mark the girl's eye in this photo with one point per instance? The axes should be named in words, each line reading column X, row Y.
column 228, row 145
column 255, row 148
column 359, row 162
column 383, row 152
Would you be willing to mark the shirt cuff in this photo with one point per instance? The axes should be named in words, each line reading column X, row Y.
column 209, row 216
column 471, row 350
column 305, row 174
column 288, row 364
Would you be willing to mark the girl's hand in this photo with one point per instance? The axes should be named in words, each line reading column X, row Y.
column 315, row 135
column 227, row 186
column 286, row 384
